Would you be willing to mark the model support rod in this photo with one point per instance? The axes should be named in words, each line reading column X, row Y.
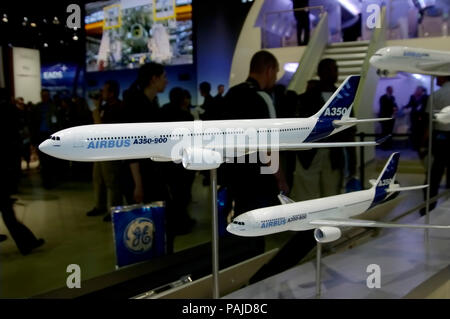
column 215, row 235
column 430, row 141
column 318, row 270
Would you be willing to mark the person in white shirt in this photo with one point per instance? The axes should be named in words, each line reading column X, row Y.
column 441, row 138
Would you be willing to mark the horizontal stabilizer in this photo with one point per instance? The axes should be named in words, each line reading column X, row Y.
column 369, row 223
column 284, row 199
column 353, row 121
column 397, row 188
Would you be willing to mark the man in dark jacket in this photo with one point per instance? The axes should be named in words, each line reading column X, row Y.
column 250, row 188
column 9, row 127
column 388, row 107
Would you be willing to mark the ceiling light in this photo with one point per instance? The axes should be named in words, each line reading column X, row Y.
column 291, row 67
column 350, row 6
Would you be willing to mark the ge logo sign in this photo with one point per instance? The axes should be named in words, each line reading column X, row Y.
column 138, row 236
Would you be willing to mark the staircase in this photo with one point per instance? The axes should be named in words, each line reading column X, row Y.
column 349, row 57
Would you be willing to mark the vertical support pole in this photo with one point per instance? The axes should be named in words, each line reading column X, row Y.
column 430, row 141
column 215, row 235
column 318, row 269
column 362, row 161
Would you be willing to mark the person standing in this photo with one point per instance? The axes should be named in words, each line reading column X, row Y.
column 388, row 108
column 148, row 183
column 25, row 240
column 178, row 178
column 106, row 175
column 302, row 17
column 251, row 189
column 441, row 139
column 321, row 171
column 418, row 103
column 208, row 106
column 45, row 124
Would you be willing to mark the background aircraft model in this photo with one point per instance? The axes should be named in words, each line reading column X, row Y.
column 206, row 145
column 325, row 215
column 393, row 59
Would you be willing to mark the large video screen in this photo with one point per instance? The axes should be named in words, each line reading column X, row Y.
column 124, row 34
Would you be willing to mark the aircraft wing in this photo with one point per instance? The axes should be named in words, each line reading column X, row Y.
column 252, row 148
column 353, row 121
column 344, row 222
column 439, row 66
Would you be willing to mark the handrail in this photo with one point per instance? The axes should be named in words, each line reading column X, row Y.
column 311, row 56
column 298, row 9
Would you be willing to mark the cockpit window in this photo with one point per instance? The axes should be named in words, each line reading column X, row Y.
column 57, row 138
column 238, row 223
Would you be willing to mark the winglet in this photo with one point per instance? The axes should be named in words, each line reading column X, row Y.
column 383, row 139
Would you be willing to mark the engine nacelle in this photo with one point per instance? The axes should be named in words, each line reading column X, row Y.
column 201, row 159
column 386, row 73
column 327, row 234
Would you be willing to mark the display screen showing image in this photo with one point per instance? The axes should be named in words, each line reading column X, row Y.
column 126, row 34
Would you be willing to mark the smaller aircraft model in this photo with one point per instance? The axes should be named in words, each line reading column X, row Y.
column 325, row 215
column 393, row 59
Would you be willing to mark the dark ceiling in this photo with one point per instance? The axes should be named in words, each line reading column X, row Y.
column 33, row 25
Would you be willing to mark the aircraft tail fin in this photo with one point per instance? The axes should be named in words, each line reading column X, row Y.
column 386, row 178
column 339, row 105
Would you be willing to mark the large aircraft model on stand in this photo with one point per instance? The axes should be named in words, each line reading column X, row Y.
column 325, row 215
column 394, row 59
column 206, row 145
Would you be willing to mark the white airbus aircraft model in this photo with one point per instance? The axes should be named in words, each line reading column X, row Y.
column 393, row 59
column 325, row 215
column 206, row 145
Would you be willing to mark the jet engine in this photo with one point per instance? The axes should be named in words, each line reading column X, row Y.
column 386, row 73
column 327, row 234
column 201, row 159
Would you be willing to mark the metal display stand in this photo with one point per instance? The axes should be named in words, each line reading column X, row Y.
column 430, row 141
column 215, row 235
column 318, row 270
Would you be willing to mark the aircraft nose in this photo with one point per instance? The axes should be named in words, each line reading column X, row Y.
column 45, row 147
column 231, row 229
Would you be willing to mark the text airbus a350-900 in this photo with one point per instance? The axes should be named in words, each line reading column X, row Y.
column 204, row 145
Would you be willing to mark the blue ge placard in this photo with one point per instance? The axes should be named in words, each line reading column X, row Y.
column 139, row 232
